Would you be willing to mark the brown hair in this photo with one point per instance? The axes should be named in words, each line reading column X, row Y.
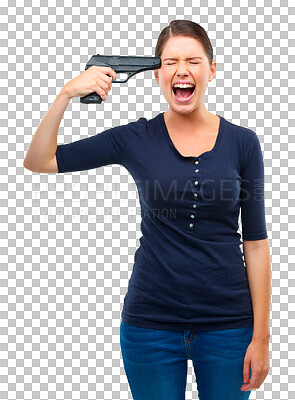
column 184, row 27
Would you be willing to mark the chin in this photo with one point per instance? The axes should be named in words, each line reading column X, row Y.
column 183, row 109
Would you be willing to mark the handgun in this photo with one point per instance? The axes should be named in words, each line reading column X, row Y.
column 129, row 65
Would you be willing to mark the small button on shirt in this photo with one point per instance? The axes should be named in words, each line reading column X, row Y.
column 189, row 271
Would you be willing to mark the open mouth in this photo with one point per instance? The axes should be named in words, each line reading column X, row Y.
column 183, row 95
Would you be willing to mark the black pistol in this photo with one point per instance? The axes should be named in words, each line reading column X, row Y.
column 129, row 65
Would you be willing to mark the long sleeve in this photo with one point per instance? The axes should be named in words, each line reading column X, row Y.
column 252, row 194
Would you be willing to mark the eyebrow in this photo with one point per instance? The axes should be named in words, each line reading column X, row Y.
column 190, row 58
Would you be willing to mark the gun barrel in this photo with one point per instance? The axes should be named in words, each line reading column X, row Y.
column 130, row 65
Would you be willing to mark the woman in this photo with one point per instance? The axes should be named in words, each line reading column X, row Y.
column 190, row 295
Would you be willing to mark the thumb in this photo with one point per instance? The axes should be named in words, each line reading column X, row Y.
column 246, row 371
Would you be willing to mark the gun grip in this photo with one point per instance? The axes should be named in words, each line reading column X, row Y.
column 91, row 98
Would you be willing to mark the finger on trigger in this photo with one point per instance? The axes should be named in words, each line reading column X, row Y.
column 113, row 73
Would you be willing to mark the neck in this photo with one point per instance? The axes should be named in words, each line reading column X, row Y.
column 198, row 119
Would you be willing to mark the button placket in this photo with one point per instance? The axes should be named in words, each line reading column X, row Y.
column 196, row 182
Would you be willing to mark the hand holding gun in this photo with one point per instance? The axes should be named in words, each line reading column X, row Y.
column 93, row 85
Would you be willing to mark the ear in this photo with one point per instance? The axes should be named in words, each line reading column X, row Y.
column 213, row 70
column 156, row 73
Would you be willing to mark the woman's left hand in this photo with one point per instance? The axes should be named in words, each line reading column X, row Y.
column 256, row 358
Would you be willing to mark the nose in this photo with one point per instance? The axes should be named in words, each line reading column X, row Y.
column 182, row 69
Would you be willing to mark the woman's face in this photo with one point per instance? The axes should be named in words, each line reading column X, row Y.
column 184, row 68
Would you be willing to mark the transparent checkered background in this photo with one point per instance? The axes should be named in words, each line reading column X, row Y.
column 68, row 240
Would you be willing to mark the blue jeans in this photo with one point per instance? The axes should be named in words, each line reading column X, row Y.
column 155, row 362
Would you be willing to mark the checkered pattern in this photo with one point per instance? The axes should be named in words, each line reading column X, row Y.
column 68, row 240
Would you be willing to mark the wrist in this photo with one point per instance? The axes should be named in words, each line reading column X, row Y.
column 261, row 338
column 65, row 93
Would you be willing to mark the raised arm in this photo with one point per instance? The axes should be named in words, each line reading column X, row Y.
column 41, row 155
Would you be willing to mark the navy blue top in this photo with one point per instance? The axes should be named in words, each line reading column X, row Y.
column 189, row 271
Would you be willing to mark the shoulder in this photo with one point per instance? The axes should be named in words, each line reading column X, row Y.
column 141, row 129
column 245, row 135
column 124, row 134
column 139, row 124
column 245, row 138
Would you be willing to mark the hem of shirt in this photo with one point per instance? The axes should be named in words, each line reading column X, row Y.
column 200, row 326
column 59, row 162
column 255, row 236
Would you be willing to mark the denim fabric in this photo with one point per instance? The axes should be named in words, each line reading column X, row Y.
column 155, row 362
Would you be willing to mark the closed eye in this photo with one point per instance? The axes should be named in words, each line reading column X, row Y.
column 191, row 63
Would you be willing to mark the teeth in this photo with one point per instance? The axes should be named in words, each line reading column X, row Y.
column 183, row 85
